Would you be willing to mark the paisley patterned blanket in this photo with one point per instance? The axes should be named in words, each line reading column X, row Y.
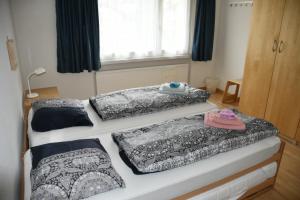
column 72, row 170
column 143, row 100
column 57, row 103
column 183, row 141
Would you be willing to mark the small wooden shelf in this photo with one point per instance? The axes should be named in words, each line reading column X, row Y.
column 230, row 98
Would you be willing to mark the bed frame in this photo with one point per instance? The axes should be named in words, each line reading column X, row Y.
column 251, row 193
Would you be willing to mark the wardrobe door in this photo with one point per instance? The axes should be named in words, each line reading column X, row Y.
column 284, row 100
column 263, row 41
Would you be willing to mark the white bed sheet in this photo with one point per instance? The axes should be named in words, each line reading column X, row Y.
column 102, row 127
column 175, row 182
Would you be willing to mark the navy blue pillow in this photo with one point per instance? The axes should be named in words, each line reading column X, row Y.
column 46, row 150
column 51, row 118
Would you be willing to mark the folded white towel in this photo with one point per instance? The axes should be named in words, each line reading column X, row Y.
column 166, row 89
column 174, row 92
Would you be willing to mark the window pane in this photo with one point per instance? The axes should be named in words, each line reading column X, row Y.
column 142, row 28
column 175, row 26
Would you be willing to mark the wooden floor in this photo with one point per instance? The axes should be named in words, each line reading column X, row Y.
column 287, row 185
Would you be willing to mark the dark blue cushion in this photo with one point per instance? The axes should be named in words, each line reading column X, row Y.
column 46, row 150
column 46, row 119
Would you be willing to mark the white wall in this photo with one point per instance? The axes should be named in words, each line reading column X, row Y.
column 10, row 114
column 35, row 28
column 36, row 35
column 232, row 40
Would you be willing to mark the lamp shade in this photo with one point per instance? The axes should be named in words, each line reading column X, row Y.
column 39, row 71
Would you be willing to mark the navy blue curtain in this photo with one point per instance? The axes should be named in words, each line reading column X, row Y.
column 78, row 45
column 204, row 30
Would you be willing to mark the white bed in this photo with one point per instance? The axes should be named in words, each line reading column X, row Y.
column 103, row 127
column 175, row 182
column 172, row 183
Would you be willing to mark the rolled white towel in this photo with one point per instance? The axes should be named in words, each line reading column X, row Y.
column 167, row 87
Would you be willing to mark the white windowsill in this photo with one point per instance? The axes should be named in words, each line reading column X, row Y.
column 140, row 60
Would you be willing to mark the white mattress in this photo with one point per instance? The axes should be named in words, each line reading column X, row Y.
column 175, row 182
column 102, row 127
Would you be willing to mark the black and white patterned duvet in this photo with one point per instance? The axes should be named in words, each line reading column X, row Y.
column 143, row 100
column 183, row 141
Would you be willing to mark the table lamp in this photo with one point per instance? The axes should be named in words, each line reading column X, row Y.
column 36, row 72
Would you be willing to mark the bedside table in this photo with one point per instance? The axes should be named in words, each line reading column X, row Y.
column 44, row 93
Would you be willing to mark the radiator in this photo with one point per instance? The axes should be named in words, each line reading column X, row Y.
column 107, row 81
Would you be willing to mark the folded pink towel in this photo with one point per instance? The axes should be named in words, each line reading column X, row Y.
column 209, row 122
column 215, row 117
column 227, row 114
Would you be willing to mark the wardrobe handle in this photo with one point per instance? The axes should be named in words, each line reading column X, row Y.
column 275, row 45
column 281, row 46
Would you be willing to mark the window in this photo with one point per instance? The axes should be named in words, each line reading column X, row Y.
column 138, row 29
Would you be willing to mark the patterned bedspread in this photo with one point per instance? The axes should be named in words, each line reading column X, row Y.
column 143, row 100
column 183, row 141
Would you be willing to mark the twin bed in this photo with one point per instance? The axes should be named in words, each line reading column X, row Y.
column 235, row 174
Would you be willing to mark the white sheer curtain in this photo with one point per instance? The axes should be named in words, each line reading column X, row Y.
column 136, row 29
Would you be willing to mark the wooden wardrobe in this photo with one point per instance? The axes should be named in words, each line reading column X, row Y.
column 271, row 83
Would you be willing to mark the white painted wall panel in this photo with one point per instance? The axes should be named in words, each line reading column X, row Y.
column 108, row 81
